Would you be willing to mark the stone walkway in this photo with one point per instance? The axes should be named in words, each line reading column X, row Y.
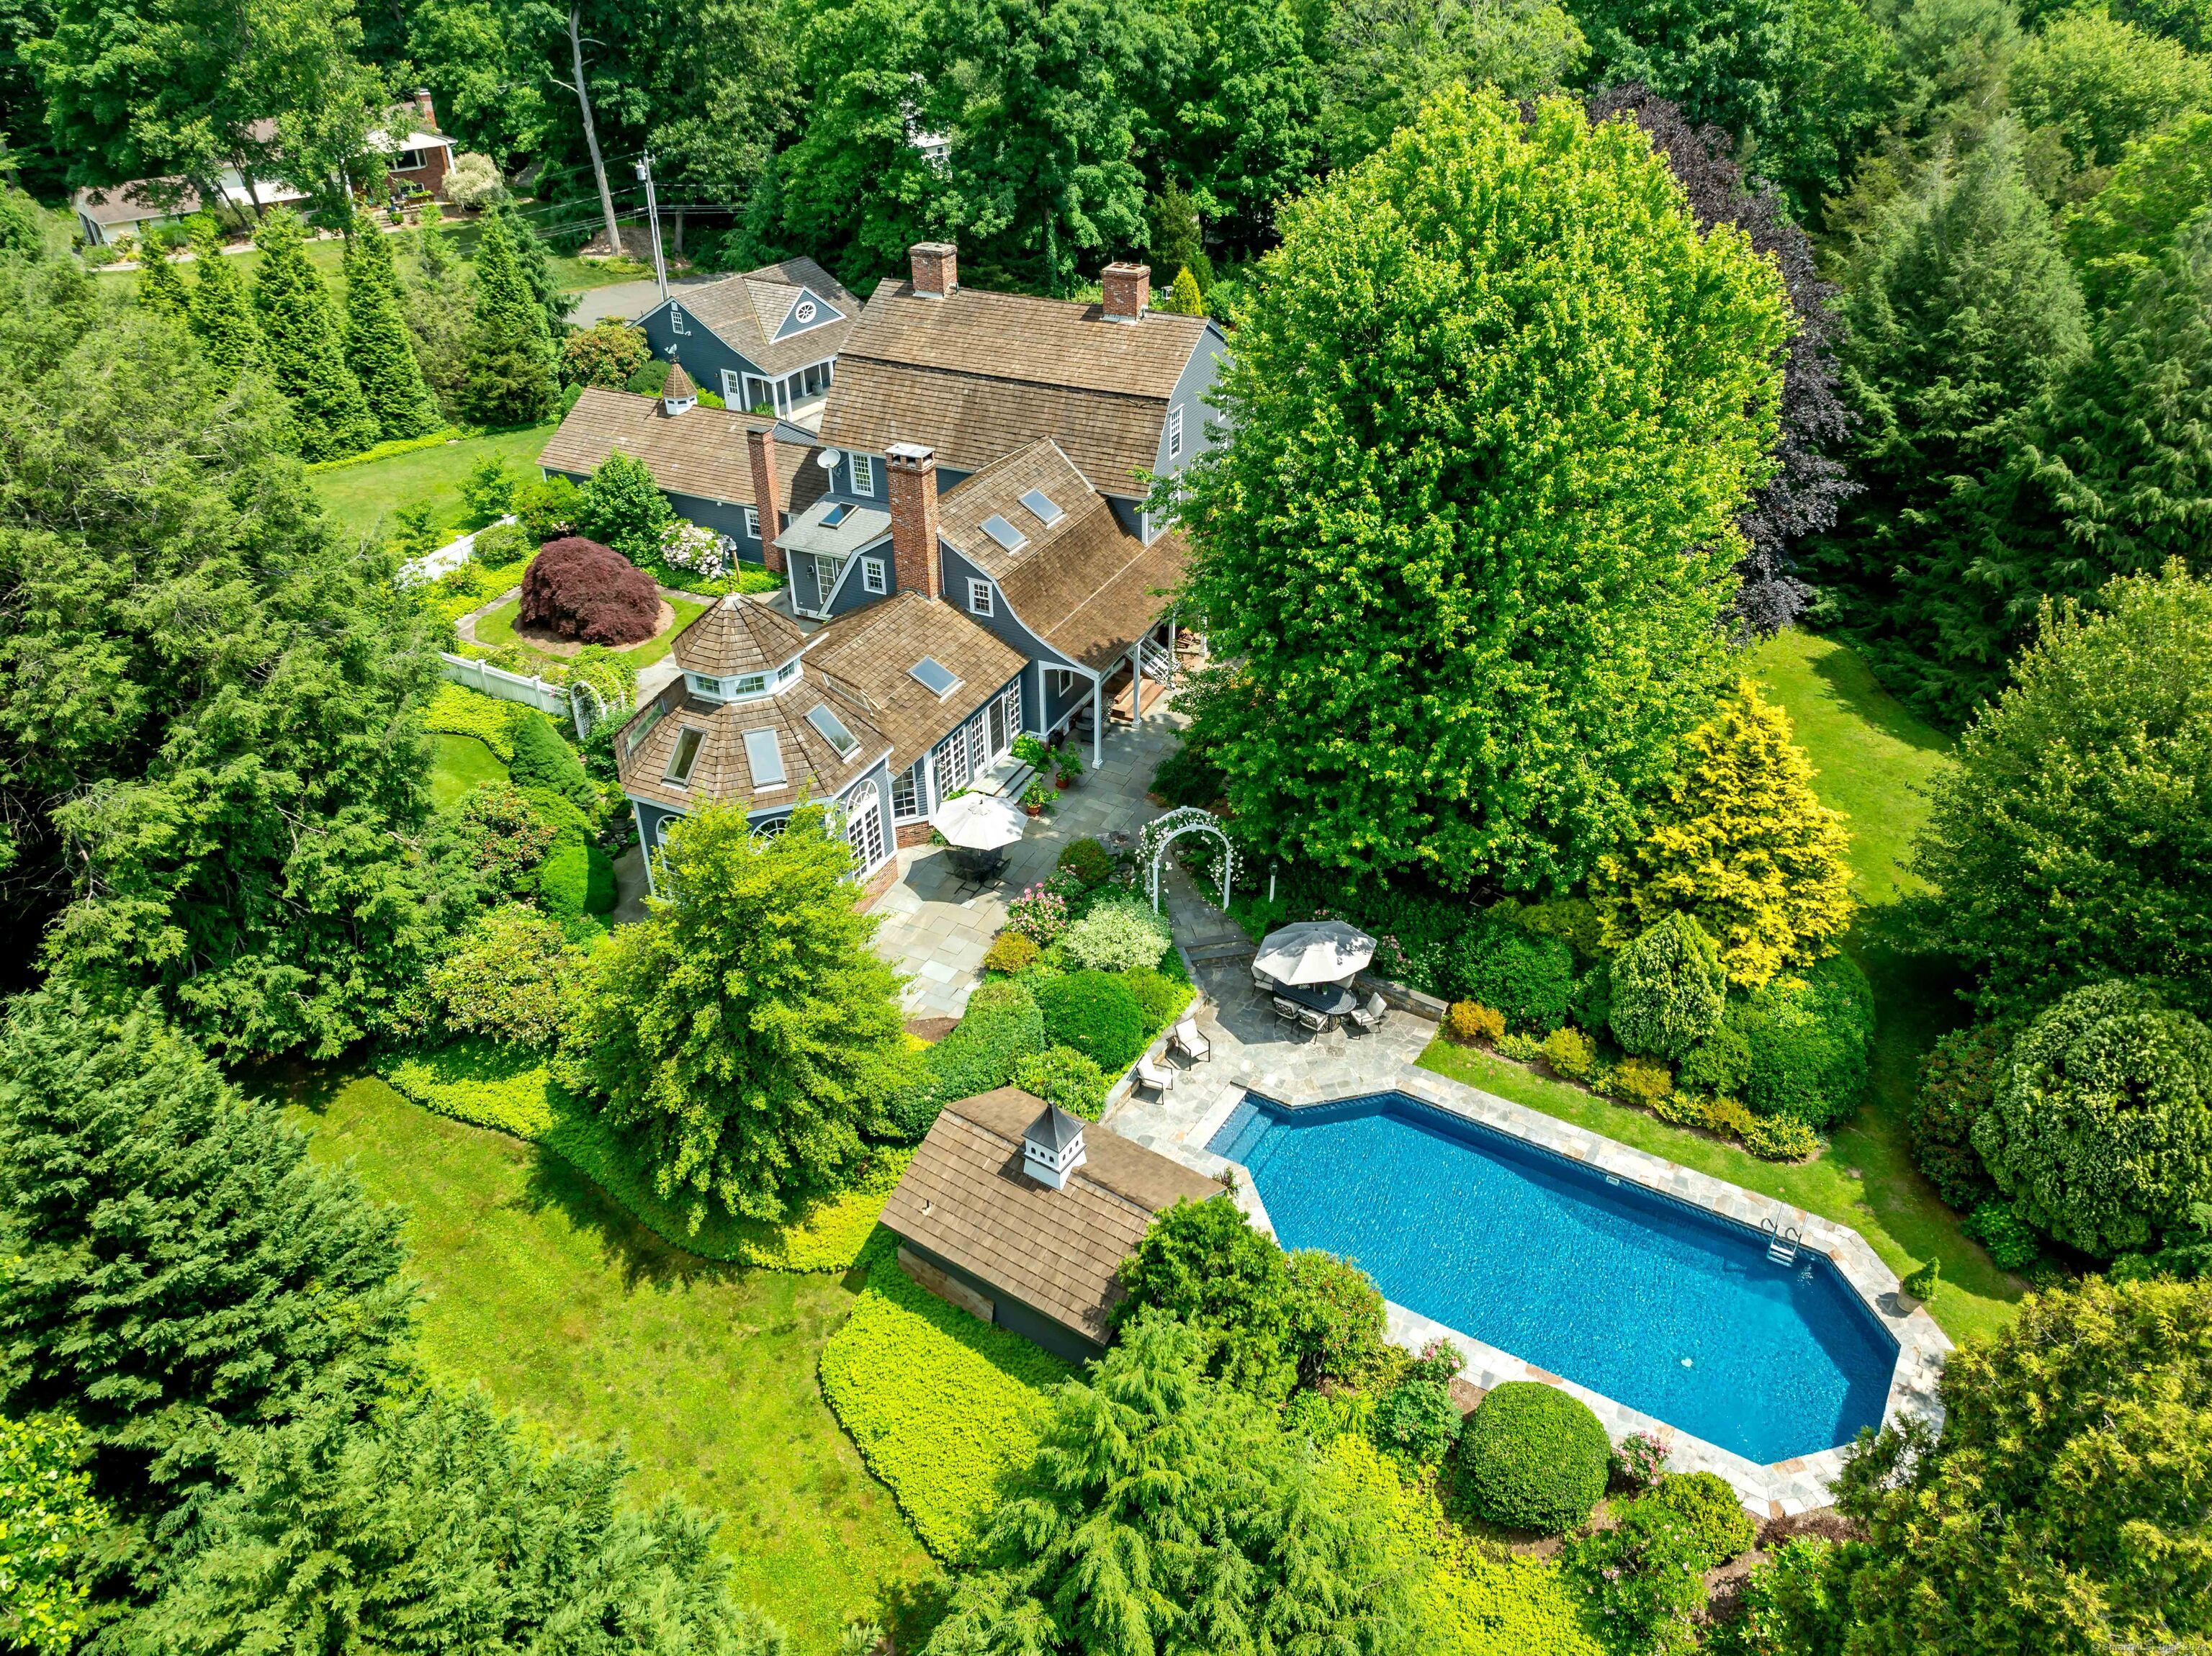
column 937, row 926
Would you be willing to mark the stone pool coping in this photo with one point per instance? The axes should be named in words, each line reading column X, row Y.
column 1781, row 1489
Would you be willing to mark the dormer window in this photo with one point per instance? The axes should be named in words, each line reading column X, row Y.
column 979, row 597
column 864, row 475
column 745, row 687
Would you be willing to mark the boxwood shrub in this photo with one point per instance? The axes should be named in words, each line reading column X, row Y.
column 1062, row 1075
column 1806, row 1039
column 1096, row 1013
column 1002, row 1026
column 564, row 878
column 1532, row 1457
column 1713, row 1512
column 1160, row 995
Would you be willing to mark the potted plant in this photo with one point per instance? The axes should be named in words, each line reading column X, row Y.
column 1035, row 797
column 1066, row 765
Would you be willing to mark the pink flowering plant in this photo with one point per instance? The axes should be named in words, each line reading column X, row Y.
column 1039, row 914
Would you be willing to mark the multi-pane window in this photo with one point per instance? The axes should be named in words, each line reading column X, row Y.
column 864, row 475
column 906, row 794
column 752, row 522
column 864, row 830
column 872, row 576
column 1175, row 434
column 676, row 322
column 979, row 597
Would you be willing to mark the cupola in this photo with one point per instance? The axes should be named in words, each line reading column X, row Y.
column 1052, row 1147
column 679, row 394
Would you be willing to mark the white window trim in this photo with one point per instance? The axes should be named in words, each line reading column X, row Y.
column 676, row 324
column 1175, row 434
column 874, row 578
column 864, row 476
column 752, row 521
column 979, row 596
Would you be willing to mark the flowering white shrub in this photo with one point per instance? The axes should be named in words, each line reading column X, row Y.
column 1117, row 937
column 696, row 547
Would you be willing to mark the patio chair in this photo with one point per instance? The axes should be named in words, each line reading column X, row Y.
column 1157, row 1076
column 1369, row 1019
column 1262, row 982
column 1189, row 1042
column 1314, row 1022
column 1287, row 1011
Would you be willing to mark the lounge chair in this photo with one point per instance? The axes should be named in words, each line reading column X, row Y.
column 1369, row 1019
column 1187, row 1041
column 1157, row 1076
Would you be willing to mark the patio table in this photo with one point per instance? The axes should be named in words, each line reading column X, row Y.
column 1331, row 1000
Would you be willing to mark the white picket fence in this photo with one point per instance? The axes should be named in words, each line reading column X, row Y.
column 508, row 687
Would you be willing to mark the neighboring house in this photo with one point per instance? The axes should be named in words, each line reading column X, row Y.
column 104, row 215
column 982, row 468
column 765, row 342
column 1021, row 1215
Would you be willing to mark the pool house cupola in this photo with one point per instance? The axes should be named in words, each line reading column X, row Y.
column 1052, row 1147
column 741, row 650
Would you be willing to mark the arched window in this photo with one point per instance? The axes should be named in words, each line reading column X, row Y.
column 864, row 826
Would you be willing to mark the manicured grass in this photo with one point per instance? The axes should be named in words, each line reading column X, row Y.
column 458, row 764
column 361, row 496
column 564, row 1308
column 570, row 275
column 497, row 628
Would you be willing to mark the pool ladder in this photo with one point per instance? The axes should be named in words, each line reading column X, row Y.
column 1781, row 1245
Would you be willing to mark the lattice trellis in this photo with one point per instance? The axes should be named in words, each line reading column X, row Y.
column 1163, row 831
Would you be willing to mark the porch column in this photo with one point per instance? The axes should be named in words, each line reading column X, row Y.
column 1136, row 683
column 1171, row 644
column 1098, row 720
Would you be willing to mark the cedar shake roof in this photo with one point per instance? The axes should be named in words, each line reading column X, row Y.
column 975, row 375
column 700, row 452
column 738, row 636
column 722, row 773
column 678, row 383
column 747, row 312
column 1083, row 583
column 874, row 650
column 966, row 1199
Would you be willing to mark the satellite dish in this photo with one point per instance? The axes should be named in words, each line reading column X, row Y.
column 828, row 460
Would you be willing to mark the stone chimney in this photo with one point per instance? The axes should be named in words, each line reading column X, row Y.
column 760, row 448
column 914, row 519
column 1128, row 290
column 428, row 110
column 1052, row 1147
column 678, row 394
column 936, row 268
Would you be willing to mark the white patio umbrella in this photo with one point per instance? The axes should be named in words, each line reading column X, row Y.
column 977, row 822
column 1314, row 951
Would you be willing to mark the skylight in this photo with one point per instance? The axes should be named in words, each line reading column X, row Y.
column 835, row 515
column 1005, row 533
column 1044, row 507
column 686, row 755
column 764, row 756
column 834, row 731
column 936, row 677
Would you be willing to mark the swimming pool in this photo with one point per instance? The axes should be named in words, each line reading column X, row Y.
column 1657, row 1304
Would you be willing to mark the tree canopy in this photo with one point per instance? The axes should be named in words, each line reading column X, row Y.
column 1455, row 661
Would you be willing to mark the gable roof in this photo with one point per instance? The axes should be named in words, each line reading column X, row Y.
column 737, row 635
column 723, row 772
column 966, row 1199
column 976, row 375
column 700, row 452
column 751, row 313
column 1083, row 583
column 875, row 649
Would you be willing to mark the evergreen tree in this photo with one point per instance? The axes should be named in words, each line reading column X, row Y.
column 161, row 288
column 1960, row 316
column 1183, row 298
column 1168, row 1512
column 536, row 266
column 510, row 379
column 299, row 333
column 1470, row 537
column 177, row 1267
column 440, row 302
column 221, row 311
column 746, row 1033
column 378, row 348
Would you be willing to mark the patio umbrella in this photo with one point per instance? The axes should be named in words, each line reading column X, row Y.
column 1314, row 951
column 977, row 822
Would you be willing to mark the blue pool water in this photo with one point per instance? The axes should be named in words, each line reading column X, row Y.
column 1657, row 1304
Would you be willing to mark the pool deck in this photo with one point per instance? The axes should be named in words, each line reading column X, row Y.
column 1251, row 1054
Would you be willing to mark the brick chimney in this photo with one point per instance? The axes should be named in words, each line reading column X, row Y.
column 1128, row 290
column 914, row 519
column 936, row 268
column 760, row 448
column 428, row 110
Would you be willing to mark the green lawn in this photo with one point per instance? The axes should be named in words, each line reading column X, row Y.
column 497, row 628
column 542, row 1289
column 570, row 275
column 458, row 764
column 361, row 496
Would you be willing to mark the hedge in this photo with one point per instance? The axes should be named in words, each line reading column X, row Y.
column 1096, row 1013
column 477, row 1081
column 564, row 878
column 1532, row 1457
column 1807, row 1038
column 940, row 1404
column 1528, row 977
column 456, row 712
column 1002, row 1027
column 1473, row 1604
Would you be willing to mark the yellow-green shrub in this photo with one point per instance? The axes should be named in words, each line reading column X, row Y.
column 1010, row 952
column 1570, row 1053
column 1728, row 1115
column 940, row 1404
column 1473, row 1024
column 1640, row 1080
column 456, row 712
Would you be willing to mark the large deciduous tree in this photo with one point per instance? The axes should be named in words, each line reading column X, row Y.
column 1167, row 1511
column 2072, row 842
column 302, row 338
column 1496, row 407
column 2123, row 231
column 2101, row 84
column 1809, row 484
column 178, row 1268
column 745, row 1033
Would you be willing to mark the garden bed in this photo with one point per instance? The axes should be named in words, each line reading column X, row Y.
column 491, row 628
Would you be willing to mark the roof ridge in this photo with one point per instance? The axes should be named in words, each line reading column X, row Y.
column 1082, row 1172
column 905, row 366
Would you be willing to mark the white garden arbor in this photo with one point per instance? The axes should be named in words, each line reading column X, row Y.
column 1164, row 831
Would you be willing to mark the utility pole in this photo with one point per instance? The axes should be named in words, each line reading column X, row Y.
column 591, row 131
column 652, row 218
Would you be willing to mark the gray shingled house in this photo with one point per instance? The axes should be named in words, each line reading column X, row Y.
column 1016, row 1211
column 980, row 472
column 766, row 342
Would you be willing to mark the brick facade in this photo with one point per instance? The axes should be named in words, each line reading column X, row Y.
column 1127, row 291
column 936, row 268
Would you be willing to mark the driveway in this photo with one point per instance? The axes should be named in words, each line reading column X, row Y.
column 627, row 300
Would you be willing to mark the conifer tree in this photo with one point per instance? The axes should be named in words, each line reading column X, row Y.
column 510, row 381
column 378, row 347
column 1183, row 297
column 222, row 312
column 160, row 288
column 300, row 332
